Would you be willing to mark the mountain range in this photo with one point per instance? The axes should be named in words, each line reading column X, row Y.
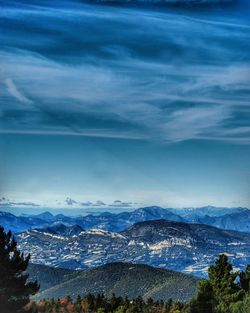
column 179, row 246
column 123, row 279
column 237, row 219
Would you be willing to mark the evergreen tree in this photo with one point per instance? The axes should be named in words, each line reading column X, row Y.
column 241, row 306
column 78, row 305
column 204, row 302
column 14, row 288
column 221, row 290
column 90, row 300
column 150, row 302
column 245, row 279
column 121, row 309
column 99, row 300
column 126, row 303
column 225, row 289
column 115, row 302
column 139, row 304
column 168, row 306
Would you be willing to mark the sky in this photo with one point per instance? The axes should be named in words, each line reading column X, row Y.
column 121, row 107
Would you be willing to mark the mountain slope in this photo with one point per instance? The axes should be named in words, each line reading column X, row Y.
column 226, row 218
column 239, row 221
column 20, row 223
column 61, row 229
column 189, row 214
column 120, row 221
column 48, row 276
column 107, row 221
column 123, row 279
column 175, row 245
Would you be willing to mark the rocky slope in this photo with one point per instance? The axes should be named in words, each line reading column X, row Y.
column 173, row 245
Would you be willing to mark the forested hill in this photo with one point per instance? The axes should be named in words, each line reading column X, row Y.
column 123, row 279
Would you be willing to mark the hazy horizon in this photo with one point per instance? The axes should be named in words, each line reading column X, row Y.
column 81, row 211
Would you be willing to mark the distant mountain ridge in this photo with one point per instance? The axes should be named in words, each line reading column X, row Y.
column 123, row 279
column 226, row 218
column 189, row 213
column 180, row 246
column 234, row 221
column 21, row 223
column 61, row 229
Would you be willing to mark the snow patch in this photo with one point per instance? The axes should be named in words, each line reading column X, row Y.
column 170, row 243
column 102, row 233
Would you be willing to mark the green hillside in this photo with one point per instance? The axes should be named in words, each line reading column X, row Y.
column 49, row 276
column 123, row 279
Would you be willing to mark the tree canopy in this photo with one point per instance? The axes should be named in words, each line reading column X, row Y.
column 14, row 288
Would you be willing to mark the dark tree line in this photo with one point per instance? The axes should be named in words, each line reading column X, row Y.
column 225, row 291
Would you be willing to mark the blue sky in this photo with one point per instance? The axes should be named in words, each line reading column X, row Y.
column 43, row 168
column 143, row 106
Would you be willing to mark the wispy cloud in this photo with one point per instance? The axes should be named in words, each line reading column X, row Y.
column 12, row 89
column 121, row 204
column 4, row 202
column 176, row 88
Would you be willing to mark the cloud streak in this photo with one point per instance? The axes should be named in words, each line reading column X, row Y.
column 160, row 76
column 12, row 89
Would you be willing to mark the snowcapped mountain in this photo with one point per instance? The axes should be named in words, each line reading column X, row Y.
column 175, row 245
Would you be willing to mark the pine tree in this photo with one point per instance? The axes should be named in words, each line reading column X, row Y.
column 14, row 288
column 220, row 291
column 90, row 300
column 78, row 304
column 245, row 279
column 204, row 302
column 225, row 289
column 120, row 309
column 168, row 306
